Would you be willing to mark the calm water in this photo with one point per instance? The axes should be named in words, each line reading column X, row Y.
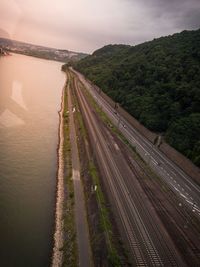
column 30, row 96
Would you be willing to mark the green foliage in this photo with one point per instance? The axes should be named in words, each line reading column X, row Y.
column 184, row 135
column 157, row 82
column 70, row 243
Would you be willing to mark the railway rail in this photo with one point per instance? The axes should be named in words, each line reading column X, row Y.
column 148, row 244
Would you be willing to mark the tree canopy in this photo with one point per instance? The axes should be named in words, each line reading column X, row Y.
column 157, row 82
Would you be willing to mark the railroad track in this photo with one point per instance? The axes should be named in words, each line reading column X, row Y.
column 146, row 245
column 183, row 216
column 134, row 243
column 167, row 254
column 180, row 183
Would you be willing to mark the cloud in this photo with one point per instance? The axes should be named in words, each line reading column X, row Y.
column 156, row 18
column 10, row 13
column 86, row 25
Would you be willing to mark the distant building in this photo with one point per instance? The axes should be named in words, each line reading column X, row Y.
column 2, row 52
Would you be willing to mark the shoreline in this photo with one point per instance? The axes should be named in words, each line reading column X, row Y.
column 58, row 240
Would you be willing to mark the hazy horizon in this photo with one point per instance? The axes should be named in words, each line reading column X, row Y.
column 86, row 25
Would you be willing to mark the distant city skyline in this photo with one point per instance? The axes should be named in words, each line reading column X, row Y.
column 86, row 25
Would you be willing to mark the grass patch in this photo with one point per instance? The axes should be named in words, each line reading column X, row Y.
column 105, row 224
column 70, row 250
column 107, row 121
column 140, row 161
column 78, row 116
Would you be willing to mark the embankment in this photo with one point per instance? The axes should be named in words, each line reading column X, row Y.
column 58, row 235
column 179, row 159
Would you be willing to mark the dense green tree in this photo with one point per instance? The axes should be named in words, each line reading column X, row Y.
column 184, row 135
column 157, row 82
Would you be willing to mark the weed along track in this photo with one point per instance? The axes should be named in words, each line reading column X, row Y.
column 116, row 220
column 139, row 225
column 106, row 248
column 140, row 241
column 84, row 252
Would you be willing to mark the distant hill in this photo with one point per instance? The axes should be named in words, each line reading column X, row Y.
column 40, row 51
column 158, row 82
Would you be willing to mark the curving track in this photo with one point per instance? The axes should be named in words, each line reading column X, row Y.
column 148, row 242
column 181, row 184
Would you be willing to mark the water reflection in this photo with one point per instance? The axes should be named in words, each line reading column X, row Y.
column 30, row 94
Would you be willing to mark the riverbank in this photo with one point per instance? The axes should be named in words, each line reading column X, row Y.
column 65, row 253
column 83, row 240
column 58, row 235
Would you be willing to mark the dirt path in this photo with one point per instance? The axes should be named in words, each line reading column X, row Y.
column 84, row 249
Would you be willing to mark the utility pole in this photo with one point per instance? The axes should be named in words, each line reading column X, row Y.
column 119, row 120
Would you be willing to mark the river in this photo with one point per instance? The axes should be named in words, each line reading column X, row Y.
column 30, row 98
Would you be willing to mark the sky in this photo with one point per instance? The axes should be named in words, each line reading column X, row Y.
column 86, row 25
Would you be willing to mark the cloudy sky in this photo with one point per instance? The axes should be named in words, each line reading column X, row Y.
column 85, row 25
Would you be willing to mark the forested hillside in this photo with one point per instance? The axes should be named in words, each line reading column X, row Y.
column 158, row 82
